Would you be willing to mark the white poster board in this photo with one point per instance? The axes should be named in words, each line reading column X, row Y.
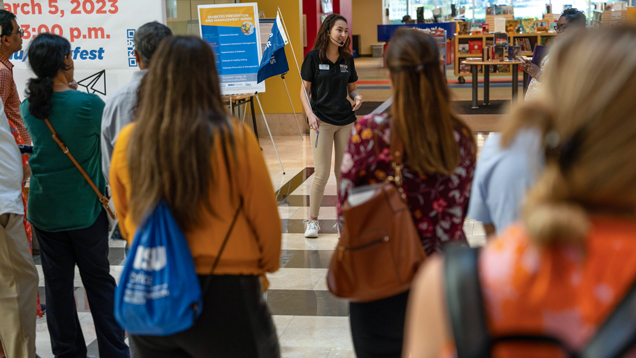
column 233, row 32
column 100, row 32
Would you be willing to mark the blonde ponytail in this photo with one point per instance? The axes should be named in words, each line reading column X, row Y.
column 550, row 215
column 586, row 114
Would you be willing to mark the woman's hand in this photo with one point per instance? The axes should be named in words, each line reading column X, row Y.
column 314, row 122
column 532, row 69
column 358, row 103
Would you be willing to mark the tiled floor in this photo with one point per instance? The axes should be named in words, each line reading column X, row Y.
column 310, row 321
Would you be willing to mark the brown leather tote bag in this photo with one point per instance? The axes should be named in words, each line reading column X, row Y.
column 379, row 251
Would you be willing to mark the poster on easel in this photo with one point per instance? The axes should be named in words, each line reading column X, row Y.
column 233, row 32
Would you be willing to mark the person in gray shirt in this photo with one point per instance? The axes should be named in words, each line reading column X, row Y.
column 505, row 172
column 119, row 110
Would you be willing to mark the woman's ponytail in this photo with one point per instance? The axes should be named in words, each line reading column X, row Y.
column 551, row 215
column 47, row 57
column 39, row 91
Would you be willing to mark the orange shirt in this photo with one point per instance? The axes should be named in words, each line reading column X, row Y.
column 255, row 243
column 563, row 291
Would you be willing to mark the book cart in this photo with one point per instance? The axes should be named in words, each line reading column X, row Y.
column 527, row 42
column 442, row 42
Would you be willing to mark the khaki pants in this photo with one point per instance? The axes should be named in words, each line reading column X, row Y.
column 18, row 289
column 330, row 137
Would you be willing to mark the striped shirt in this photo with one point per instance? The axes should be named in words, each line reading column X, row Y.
column 10, row 98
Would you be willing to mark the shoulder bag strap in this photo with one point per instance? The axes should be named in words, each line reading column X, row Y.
column 218, row 256
column 397, row 153
column 465, row 302
column 104, row 200
column 618, row 334
column 397, row 146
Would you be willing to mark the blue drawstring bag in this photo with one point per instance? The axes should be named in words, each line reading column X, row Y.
column 159, row 293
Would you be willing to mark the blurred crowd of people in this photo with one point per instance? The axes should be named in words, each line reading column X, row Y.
column 555, row 190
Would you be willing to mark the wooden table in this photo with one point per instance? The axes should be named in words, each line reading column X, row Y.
column 474, row 64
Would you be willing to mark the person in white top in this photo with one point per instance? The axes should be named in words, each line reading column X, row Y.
column 18, row 276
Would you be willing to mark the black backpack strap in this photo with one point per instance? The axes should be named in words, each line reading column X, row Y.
column 464, row 298
column 618, row 334
column 465, row 302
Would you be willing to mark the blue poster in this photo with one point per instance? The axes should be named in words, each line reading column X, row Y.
column 233, row 32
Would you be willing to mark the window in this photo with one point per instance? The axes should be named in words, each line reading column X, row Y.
column 397, row 10
column 582, row 5
column 479, row 11
column 477, row 8
column 428, row 5
column 529, row 8
column 182, row 15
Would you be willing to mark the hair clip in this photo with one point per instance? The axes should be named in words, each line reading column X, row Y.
column 552, row 139
column 565, row 152
column 419, row 68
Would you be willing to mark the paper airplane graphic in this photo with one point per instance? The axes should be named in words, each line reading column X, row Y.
column 95, row 83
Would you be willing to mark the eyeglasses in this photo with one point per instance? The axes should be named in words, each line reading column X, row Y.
column 20, row 31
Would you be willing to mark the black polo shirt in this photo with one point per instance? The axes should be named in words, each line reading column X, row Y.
column 329, row 88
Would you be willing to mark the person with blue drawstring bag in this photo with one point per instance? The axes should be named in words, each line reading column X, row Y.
column 196, row 203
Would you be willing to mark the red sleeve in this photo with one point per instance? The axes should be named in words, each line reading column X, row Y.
column 6, row 79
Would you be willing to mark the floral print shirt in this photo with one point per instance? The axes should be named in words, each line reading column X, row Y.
column 438, row 203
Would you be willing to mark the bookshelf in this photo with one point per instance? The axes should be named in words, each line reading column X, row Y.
column 490, row 20
column 487, row 40
column 608, row 18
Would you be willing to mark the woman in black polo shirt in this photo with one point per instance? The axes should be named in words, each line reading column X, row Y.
column 329, row 76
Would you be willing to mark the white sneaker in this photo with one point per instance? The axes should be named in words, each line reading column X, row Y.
column 311, row 229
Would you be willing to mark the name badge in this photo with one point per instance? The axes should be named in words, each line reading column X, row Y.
column 324, row 67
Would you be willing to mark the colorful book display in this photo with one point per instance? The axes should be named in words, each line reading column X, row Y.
column 475, row 47
column 527, row 26
column 546, row 41
column 513, row 26
column 524, row 44
column 499, row 10
column 541, row 26
column 500, row 39
column 476, row 28
column 463, row 28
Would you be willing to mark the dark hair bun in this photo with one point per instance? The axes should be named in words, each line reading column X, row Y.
column 47, row 54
